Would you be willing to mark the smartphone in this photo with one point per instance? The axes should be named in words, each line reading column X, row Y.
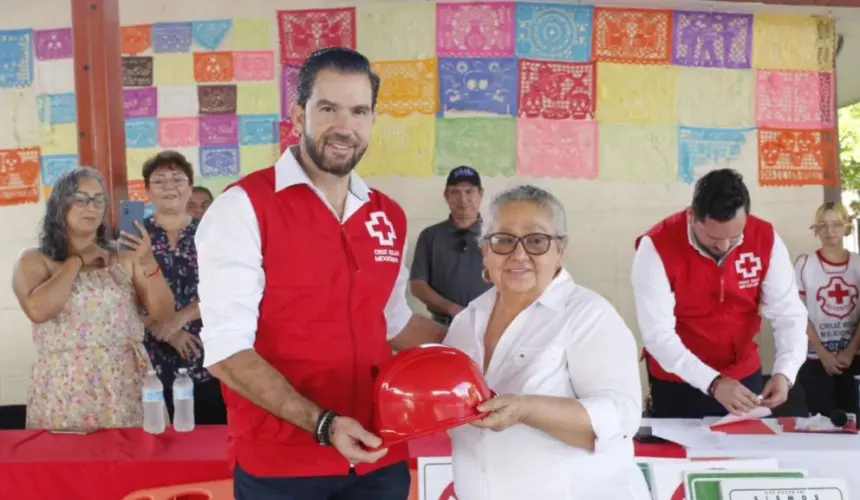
column 129, row 213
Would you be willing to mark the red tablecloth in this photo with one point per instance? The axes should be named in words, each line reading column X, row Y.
column 108, row 465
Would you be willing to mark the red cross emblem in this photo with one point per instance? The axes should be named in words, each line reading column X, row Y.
column 838, row 293
column 381, row 228
column 837, row 298
column 748, row 265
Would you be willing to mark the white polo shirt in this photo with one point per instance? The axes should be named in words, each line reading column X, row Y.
column 570, row 343
column 230, row 261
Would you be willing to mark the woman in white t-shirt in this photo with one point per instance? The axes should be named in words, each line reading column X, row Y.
column 829, row 284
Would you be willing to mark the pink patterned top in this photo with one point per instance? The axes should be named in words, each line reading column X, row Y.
column 90, row 360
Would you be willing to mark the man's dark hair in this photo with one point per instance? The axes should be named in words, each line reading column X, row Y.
column 167, row 158
column 205, row 190
column 719, row 195
column 336, row 58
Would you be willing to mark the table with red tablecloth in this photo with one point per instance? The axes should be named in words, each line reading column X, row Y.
column 110, row 464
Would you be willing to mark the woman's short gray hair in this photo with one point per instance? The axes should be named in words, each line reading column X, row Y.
column 531, row 194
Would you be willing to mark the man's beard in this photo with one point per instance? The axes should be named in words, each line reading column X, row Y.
column 712, row 254
column 318, row 155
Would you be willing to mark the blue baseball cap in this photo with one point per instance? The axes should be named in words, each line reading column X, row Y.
column 464, row 174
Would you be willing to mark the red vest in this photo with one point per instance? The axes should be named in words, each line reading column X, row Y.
column 321, row 322
column 716, row 307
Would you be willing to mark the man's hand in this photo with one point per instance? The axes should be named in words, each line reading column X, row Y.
column 830, row 363
column 775, row 391
column 736, row 398
column 353, row 441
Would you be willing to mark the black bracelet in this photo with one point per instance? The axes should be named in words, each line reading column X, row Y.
column 713, row 386
column 323, row 427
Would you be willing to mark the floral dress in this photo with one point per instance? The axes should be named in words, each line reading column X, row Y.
column 90, row 361
column 180, row 269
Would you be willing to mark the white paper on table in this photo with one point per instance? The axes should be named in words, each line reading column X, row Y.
column 691, row 433
column 760, row 488
column 817, row 423
column 757, row 412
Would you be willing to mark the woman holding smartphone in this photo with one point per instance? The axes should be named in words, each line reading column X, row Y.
column 83, row 298
column 175, row 343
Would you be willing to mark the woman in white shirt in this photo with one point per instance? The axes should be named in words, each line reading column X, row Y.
column 829, row 284
column 562, row 361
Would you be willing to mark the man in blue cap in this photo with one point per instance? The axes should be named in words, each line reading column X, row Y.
column 446, row 268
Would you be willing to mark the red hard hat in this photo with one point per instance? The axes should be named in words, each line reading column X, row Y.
column 426, row 389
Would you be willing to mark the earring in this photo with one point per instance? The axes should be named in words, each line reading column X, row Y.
column 485, row 275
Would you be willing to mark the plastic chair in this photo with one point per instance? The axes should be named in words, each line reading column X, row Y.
column 212, row 490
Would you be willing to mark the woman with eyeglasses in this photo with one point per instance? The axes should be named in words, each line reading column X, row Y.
column 560, row 358
column 83, row 298
column 829, row 284
column 175, row 343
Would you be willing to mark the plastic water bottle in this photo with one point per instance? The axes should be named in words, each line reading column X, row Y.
column 153, row 404
column 183, row 402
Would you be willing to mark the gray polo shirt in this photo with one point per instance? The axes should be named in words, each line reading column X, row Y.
column 449, row 260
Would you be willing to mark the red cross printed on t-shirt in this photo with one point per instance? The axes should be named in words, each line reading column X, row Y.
column 381, row 228
column 837, row 298
column 748, row 265
column 838, row 293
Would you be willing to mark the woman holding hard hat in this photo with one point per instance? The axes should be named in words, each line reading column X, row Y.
column 561, row 359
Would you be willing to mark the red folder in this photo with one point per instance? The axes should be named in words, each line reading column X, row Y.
column 752, row 426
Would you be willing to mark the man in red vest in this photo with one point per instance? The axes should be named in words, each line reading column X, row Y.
column 302, row 294
column 700, row 279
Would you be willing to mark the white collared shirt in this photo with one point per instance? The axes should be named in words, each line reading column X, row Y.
column 230, row 258
column 655, row 311
column 569, row 343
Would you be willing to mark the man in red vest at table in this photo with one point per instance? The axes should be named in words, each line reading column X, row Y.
column 700, row 279
column 302, row 294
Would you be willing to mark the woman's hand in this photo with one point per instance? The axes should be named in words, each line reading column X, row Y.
column 844, row 359
column 830, row 362
column 164, row 330
column 186, row 344
column 141, row 247
column 93, row 254
column 505, row 411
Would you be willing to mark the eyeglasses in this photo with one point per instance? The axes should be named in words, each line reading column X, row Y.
column 165, row 182
column 83, row 199
column 533, row 244
column 836, row 226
